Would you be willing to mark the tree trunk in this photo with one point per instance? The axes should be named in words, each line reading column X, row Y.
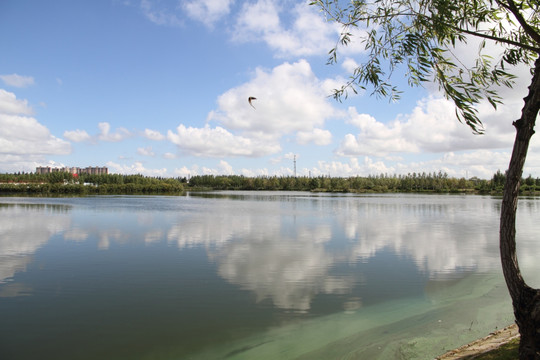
column 525, row 300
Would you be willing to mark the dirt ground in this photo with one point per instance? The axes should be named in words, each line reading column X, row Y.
column 490, row 342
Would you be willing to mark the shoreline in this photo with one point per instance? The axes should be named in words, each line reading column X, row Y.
column 490, row 342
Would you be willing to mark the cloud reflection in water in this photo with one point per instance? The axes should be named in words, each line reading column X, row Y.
column 24, row 228
column 283, row 248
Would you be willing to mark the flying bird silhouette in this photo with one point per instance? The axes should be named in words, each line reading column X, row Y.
column 250, row 99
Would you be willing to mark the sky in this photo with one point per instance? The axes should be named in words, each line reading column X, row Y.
column 161, row 87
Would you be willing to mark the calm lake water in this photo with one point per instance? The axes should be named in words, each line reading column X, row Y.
column 254, row 275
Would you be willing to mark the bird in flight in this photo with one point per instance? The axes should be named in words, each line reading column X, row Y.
column 251, row 98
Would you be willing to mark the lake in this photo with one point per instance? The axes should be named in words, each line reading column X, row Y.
column 254, row 275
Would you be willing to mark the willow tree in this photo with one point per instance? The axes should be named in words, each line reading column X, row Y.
column 420, row 38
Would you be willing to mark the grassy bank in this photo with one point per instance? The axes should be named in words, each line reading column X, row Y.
column 499, row 345
column 507, row 351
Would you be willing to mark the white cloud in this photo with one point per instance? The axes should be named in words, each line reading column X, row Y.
column 9, row 104
column 146, row 151
column 349, row 65
column 477, row 163
column 352, row 168
column 18, row 81
column 254, row 172
column 431, row 127
column 375, row 138
column 106, row 135
column 289, row 98
column 77, row 135
column 153, row 135
column 256, row 19
column 317, row 136
column 207, row 11
column 218, row 142
column 136, row 168
column 225, row 168
column 185, row 172
column 290, row 156
column 307, row 33
column 23, row 140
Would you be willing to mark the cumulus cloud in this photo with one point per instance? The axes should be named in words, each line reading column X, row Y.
column 104, row 134
column 218, row 142
column 349, row 65
column 25, row 135
column 77, row 135
column 207, row 11
column 254, row 172
column 146, row 151
column 305, row 33
column 135, row 168
column 289, row 98
column 317, row 137
column 431, row 127
column 185, row 172
column 9, row 104
column 430, row 138
column 16, row 80
column 23, row 140
column 290, row 156
column 353, row 168
column 477, row 163
column 375, row 138
column 225, row 168
column 153, row 135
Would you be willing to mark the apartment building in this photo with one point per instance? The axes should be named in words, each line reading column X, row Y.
column 90, row 170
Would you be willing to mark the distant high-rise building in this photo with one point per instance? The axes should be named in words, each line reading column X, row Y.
column 90, row 170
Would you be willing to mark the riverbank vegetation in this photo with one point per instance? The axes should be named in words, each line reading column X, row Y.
column 66, row 183
column 58, row 183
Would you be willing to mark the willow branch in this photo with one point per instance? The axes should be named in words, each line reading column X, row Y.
column 495, row 38
column 526, row 27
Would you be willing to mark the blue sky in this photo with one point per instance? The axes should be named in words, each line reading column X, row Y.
column 160, row 88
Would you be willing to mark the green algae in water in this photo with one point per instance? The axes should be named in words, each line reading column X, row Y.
column 417, row 328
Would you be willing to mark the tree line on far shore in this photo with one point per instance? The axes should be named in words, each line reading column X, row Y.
column 85, row 184
column 66, row 183
column 415, row 182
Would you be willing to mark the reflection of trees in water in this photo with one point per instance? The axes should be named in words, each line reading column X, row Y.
column 53, row 208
